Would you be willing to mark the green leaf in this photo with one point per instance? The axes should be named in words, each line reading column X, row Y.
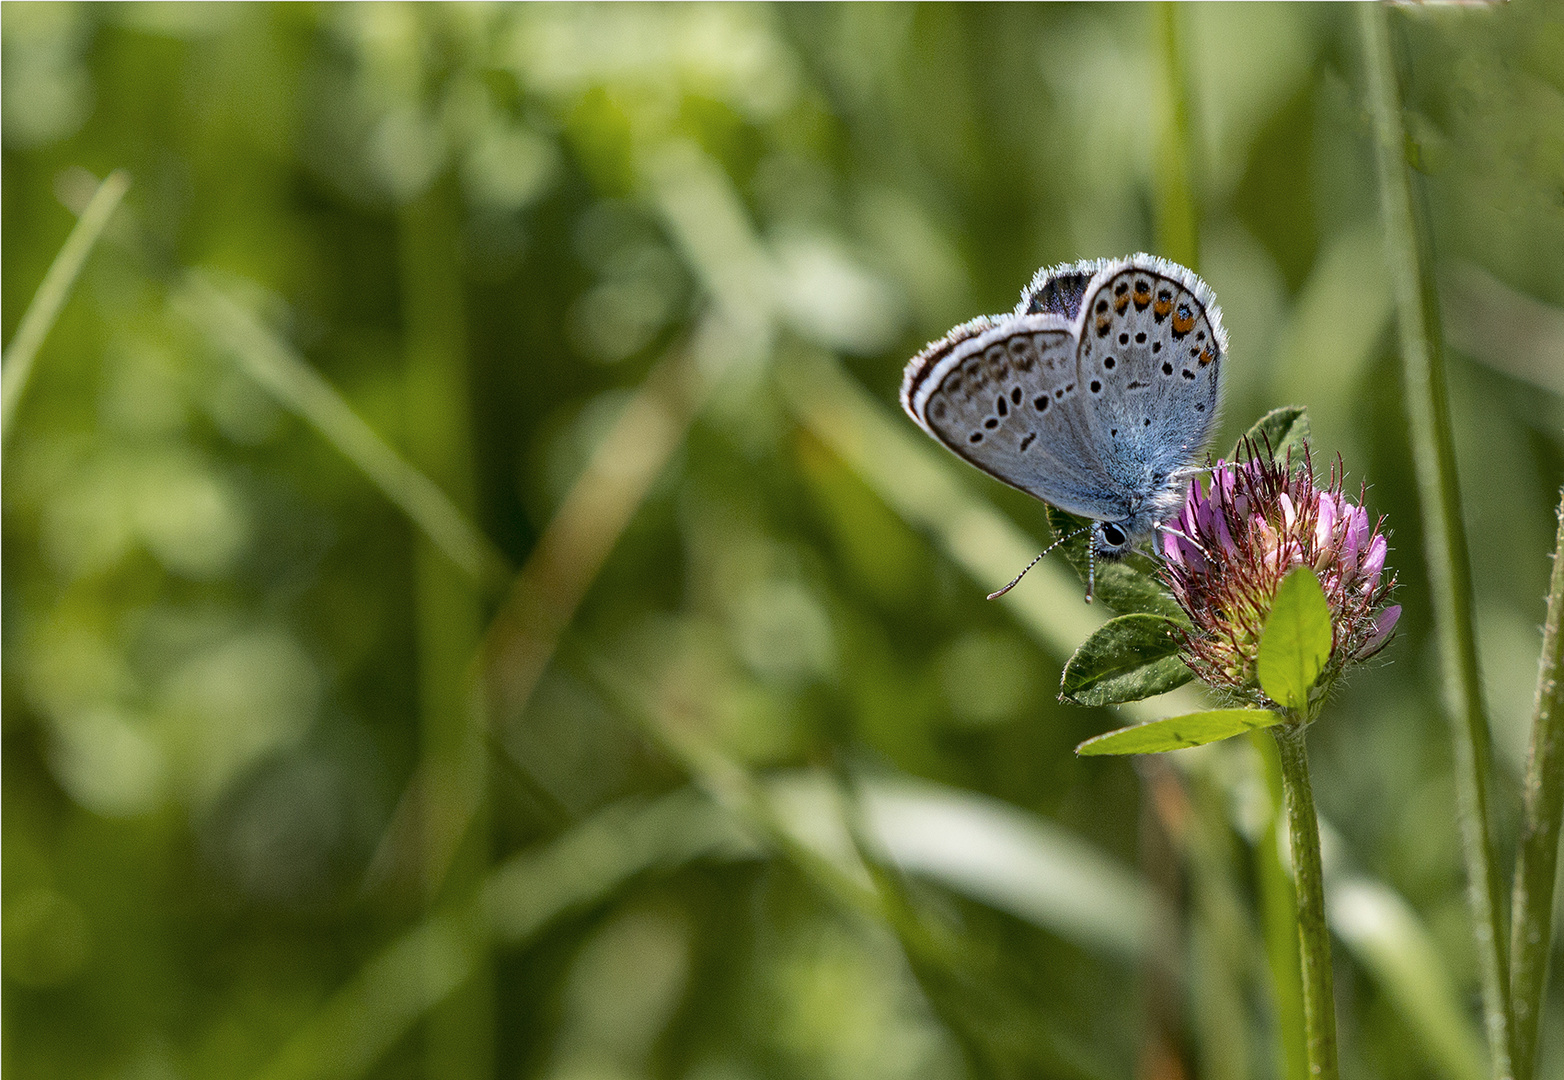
column 1126, row 585
column 1283, row 430
column 1296, row 643
column 1127, row 659
column 1177, row 732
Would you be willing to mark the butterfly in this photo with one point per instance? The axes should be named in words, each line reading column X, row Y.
column 1098, row 394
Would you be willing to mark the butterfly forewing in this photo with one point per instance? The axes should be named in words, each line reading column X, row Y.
column 1003, row 394
column 1151, row 353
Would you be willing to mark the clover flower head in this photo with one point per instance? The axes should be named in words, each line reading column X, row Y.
column 1226, row 553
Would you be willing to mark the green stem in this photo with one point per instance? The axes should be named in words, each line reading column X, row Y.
column 459, row 1035
column 1445, row 549
column 1303, row 829
column 1177, row 232
column 1531, row 931
column 1279, row 917
column 52, row 293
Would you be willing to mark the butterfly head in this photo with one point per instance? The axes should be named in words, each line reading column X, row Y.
column 1113, row 539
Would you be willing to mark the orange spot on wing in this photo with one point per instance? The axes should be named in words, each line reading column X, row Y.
column 1183, row 321
column 1142, row 298
column 1206, row 357
column 1121, row 303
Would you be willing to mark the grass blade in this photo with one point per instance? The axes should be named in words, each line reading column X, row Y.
column 1011, row 860
column 289, row 378
column 523, row 635
column 1433, row 454
column 1176, row 217
column 708, row 219
column 518, row 900
column 920, row 483
column 455, row 842
column 1386, row 938
column 814, row 836
column 52, row 293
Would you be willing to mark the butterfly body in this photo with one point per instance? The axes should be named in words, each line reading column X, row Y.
column 1098, row 394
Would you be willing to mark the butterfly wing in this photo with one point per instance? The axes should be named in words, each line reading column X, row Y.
column 1060, row 289
column 1150, row 361
column 1002, row 393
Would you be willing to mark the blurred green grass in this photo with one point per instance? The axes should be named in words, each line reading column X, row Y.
column 257, row 755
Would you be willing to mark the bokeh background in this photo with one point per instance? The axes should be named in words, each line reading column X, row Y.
column 301, row 779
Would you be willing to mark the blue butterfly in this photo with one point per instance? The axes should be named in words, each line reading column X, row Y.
column 1098, row 394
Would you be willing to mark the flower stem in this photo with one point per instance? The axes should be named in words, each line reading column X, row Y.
column 1531, row 928
column 1279, row 918
column 1445, row 550
column 1303, row 829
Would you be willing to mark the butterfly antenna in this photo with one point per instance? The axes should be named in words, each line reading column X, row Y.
column 1182, row 535
column 1091, row 571
column 1017, row 579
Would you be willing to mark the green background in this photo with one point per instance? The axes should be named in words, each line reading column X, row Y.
column 265, row 741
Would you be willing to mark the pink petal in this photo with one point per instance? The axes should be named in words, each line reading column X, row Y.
column 1222, row 484
column 1360, row 525
column 1374, row 561
column 1325, row 524
column 1185, row 520
column 1349, row 547
column 1382, row 627
column 1180, row 550
column 1222, row 536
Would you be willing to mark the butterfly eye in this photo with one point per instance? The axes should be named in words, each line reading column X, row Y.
column 1114, row 535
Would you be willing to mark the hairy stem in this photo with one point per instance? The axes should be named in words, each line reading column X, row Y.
column 1445, row 550
column 1279, row 919
column 1531, row 931
column 1303, row 829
